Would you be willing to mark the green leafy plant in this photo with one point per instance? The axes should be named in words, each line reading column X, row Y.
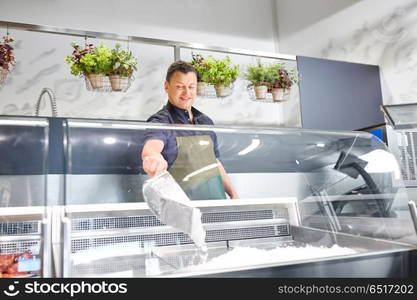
column 122, row 62
column 220, row 72
column 200, row 66
column 89, row 60
column 284, row 78
column 98, row 61
column 74, row 60
column 260, row 75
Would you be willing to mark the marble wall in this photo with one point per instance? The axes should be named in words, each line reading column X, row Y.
column 41, row 63
column 242, row 107
column 360, row 31
column 41, row 56
column 391, row 43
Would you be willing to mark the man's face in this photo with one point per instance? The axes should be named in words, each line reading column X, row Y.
column 182, row 89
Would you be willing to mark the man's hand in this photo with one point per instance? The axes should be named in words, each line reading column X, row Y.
column 234, row 195
column 153, row 162
column 154, row 165
column 228, row 187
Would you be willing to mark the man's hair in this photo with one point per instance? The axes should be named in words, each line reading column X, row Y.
column 180, row 66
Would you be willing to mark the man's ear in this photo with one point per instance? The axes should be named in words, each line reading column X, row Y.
column 166, row 85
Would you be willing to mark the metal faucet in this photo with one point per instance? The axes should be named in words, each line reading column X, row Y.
column 52, row 99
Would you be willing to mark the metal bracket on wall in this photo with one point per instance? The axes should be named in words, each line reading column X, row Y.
column 177, row 53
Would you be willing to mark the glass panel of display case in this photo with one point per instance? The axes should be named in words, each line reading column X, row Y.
column 402, row 114
column 23, row 191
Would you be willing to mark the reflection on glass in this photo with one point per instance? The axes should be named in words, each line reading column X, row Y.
column 109, row 140
column 254, row 144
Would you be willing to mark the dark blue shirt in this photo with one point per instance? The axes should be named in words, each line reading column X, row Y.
column 171, row 114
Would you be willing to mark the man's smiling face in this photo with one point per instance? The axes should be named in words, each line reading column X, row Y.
column 182, row 89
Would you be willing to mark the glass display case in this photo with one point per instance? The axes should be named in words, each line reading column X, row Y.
column 311, row 203
column 24, row 219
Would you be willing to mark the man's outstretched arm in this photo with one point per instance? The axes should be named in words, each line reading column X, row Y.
column 152, row 160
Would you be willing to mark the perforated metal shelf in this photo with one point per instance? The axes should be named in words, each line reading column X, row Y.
column 238, row 224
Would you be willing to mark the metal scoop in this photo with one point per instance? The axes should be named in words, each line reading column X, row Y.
column 169, row 203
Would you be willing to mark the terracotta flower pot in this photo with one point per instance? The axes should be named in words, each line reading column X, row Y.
column 3, row 74
column 223, row 91
column 96, row 80
column 278, row 94
column 201, row 88
column 260, row 91
column 118, row 82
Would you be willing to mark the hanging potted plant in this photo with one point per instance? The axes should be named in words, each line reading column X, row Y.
column 7, row 59
column 122, row 65
column 90, row 62
column 201, row 69
column 220, row 73
column 283, row 81
column 259, row 78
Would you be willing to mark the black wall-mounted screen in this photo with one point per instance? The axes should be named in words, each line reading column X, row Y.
column 336, row 95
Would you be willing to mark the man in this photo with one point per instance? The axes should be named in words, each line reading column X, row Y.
column 191, row 156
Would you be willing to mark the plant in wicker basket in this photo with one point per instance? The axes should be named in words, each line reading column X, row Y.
column 7, row 59
column 201, row 67
column 122, row 65
column 283, row 81
column 91, row 62
column 221, row 74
